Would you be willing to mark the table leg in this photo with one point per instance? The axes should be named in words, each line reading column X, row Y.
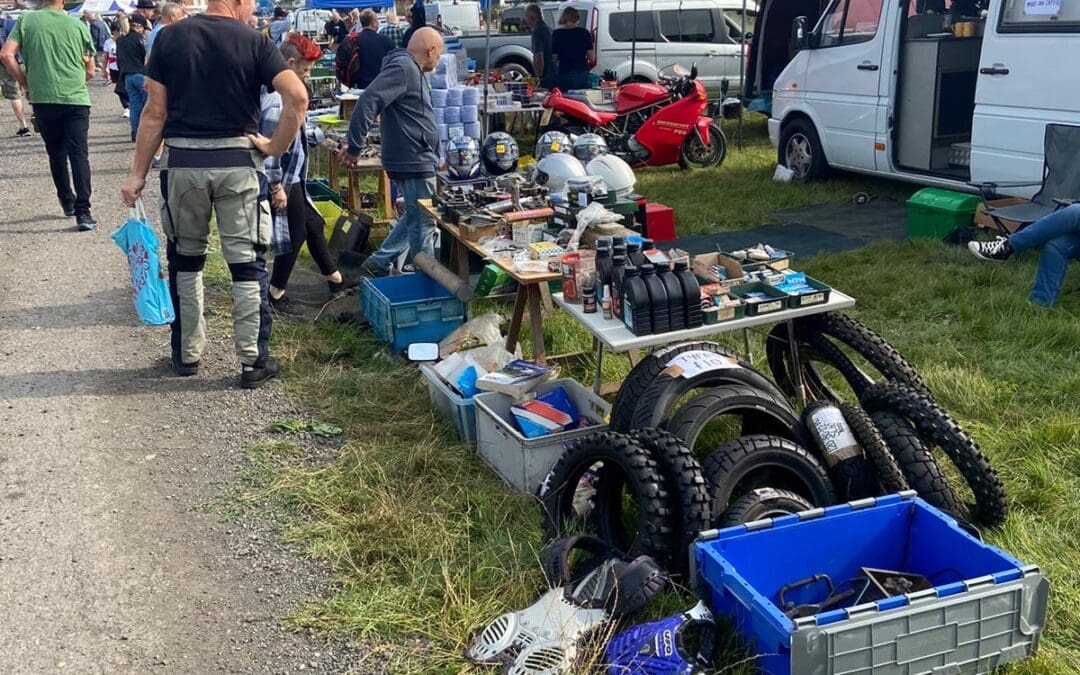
column 353, row 192
column 461, row 252
column 520, row 301
column 536, row 322
column 332, row 174
column 635, row 357
column 796, row 365
column 386, row 195
column 746, row 346
column 545, row 296
column 598, row 379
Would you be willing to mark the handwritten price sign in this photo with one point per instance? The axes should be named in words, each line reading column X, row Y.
column 1042, row 7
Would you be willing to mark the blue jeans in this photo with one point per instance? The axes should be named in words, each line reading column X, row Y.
column 413, row 231
column 135, row 86
column 1059, row 235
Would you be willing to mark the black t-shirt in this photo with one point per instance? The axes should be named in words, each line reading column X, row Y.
column 213, row 68
column 372, row 48
column 570, row 45
column 131, row 54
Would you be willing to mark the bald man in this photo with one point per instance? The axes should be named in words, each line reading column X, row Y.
column 402, row 100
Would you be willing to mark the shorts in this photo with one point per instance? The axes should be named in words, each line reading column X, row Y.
column 9, row 86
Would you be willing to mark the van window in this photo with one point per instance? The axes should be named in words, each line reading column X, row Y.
column 621, row 27
column 1039, row 16
column 689, row 25
column 848, row 22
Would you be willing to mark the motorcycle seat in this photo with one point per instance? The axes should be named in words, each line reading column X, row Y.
column 592, row 98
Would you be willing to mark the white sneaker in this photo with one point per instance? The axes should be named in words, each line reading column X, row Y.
column 127, row 113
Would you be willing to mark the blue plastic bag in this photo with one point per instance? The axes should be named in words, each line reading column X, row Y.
column 149, row 287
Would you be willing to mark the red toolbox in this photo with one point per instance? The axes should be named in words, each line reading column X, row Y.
column 659, row 222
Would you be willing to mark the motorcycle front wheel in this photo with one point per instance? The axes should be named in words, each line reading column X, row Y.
column 697, row 155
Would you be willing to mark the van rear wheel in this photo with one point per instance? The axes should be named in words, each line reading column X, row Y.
column 801, row 151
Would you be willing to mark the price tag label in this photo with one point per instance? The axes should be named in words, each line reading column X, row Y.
column 500, row 147
column 690, row 364
column 813, row 299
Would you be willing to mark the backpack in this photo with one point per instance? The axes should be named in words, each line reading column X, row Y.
column 347, row 60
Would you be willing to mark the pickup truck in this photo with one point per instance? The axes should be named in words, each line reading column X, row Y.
column 511, row 47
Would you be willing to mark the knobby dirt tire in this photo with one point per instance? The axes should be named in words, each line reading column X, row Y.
column 790, row 466
column 854, row 477
column 688, row 491
column 890, row 477
column 624, row 462
column 762, row 503
column 915, row 460
column 761, row 412
column 937, row 429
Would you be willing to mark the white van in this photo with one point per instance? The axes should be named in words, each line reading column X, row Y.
column 890, row 89
column 458, row 17
column 707, row 33
column 310, row 22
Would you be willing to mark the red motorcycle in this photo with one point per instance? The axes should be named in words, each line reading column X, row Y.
column 649, row 124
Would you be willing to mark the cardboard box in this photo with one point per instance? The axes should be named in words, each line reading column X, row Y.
column 983, row 220
column 703, row 268
column 528, row 233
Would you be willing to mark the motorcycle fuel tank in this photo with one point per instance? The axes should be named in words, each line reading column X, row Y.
column 638, row 95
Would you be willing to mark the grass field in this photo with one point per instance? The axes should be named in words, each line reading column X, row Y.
column 428, row 545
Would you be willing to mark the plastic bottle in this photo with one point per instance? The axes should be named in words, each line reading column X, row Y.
column 605, row 304
column 634, row 256
column 618, row 267
column 603, row 243
column 676, row 300
column 617, row 241
column 635, row 303
column 618, row 249
column 588, row 300
column 691, row 293
column 603, row 270
column 658, row 300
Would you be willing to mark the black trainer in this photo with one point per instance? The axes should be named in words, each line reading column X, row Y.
column 996, row 250
column 85, row 222
column 253, row 378
column 185, row 369
column 25, row 131
column 69, row 208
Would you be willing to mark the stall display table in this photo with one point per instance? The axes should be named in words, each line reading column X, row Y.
column 352, row 184
column 612, row 334
column 515, row 117
column 532, row 294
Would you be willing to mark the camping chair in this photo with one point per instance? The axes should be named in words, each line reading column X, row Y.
column 1060, row 183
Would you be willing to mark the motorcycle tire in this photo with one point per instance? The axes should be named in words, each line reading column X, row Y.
column 920, row 469
column 813, row 348
column 624, row 411
column 889, row 476
column 763, row 503
column 688, row 492
column 853, row 477
column 696, row 155
column 623, row 463
column 937, row 429
column 734, row 466
column 761, row 412
column 819, row 330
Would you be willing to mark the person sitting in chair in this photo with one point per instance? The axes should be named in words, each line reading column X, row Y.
column 1059, row 235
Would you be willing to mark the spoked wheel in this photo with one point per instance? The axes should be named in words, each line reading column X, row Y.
column 698, row 155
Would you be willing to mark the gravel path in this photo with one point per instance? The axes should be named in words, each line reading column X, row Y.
column 109, row 561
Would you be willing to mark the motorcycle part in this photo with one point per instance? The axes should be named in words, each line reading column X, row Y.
column 851, row 473
column 610, row 462
column 688, row 493
column 500, row 153
column 660, row 647
column 920, row 469
column 697, row 154
column 550, row 143
column 588, row 146
column 739, row 466
column 937, row 429
column 889, row 476
column 698, row 370
column 554, row 170
column 462, row 158
column 543, row 639
column 763, row 503
column 616, row 173
column 760, row 412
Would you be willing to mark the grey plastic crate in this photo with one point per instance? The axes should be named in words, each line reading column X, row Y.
column 525, row 462
column 452, row 405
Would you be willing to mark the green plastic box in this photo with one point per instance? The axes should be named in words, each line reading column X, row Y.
column 933, row 213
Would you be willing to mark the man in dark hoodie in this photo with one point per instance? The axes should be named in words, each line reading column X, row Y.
column 401, row 97
column 417, row 18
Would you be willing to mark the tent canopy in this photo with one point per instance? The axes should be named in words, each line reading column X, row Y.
column 348, row 4
column 104, row 7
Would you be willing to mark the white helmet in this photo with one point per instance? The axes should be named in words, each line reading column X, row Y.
column 616, row 173
column 554, row 170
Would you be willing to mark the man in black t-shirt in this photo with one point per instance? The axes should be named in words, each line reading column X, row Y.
column 371, row 48
column 131, row 60
column 203, row 84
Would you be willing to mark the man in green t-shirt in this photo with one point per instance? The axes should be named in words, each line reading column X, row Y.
column 59, row 57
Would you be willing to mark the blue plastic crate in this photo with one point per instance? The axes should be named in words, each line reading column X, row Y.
column 409, row 308
column 986, row 608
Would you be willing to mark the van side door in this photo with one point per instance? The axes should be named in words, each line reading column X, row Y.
column 1027, row 78
column 694, row 36
column 842, row 75
column 614, row 50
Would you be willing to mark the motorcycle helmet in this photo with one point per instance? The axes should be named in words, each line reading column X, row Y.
column 587, row 146
column 551, row 142
column 616, row 173
column 462, row 158
column 500, row 153
column 554, row 170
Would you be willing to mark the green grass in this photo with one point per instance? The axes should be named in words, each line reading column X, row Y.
column 428, row 545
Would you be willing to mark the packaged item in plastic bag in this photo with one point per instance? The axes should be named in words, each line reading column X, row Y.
column 477, row 331
column 149, row 287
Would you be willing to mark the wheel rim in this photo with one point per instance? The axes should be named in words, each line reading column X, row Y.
column 699, row 154
column 799, row 155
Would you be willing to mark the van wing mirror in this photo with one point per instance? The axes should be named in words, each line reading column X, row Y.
column 800, row 36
